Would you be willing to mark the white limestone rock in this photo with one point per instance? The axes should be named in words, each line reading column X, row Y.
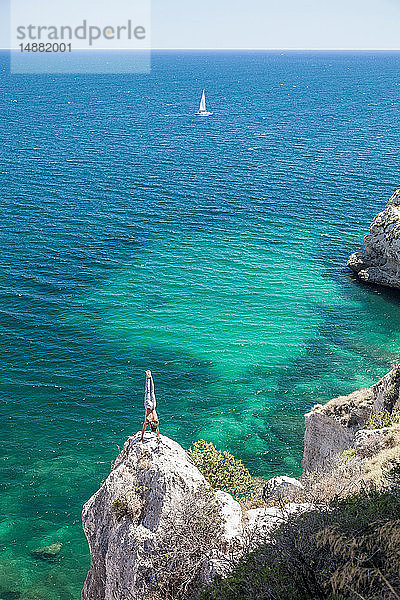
column 379, row 262
column 330, row 429
column 369, row 442
column 260, row 521
column 232, row 515
column 151, row 480
column 333, row 428
column 281, row 487
column 387, row 392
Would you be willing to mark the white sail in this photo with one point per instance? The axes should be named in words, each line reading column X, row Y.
column 203, row 103
column 203, row 112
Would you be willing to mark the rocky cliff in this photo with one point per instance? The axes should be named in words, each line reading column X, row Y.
column 331, row 429
column 379, row 263
column 153, row 493
column 156, row 516
column 149, row 482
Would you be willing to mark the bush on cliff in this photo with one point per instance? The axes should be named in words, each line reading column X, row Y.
column 347, row 550
column 383, row 419
column 222, row 470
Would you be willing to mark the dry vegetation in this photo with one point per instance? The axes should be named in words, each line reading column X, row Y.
column 181, row 553
column 129, row 505
column 346, row 549
column 351, row 410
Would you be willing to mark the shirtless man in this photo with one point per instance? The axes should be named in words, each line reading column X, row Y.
column 150, row 417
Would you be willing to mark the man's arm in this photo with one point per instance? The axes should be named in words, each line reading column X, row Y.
column 143, row 430
column 156, row 420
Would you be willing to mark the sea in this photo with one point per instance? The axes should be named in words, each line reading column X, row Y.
column 135, row 235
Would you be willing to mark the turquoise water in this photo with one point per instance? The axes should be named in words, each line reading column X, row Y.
column 134, row 235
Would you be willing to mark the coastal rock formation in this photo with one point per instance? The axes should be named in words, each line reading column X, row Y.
column 131, row 512
column 331, row 429
column 379, row 263
column 387, row 392
column 148, row 482
column 369, row 442
column 260, row 521
column 128, row 520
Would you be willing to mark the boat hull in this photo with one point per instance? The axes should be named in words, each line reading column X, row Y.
column 203, row 113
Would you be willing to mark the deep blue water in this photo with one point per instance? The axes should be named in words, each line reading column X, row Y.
column 135, row 235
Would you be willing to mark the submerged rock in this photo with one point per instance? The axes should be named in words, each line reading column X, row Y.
column 47, row 552
column 10, row 583
column 379, row 262
column 9, row 595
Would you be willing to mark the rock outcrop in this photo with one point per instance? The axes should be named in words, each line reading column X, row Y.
column 379, row 263
column 369, row 442
column 331, row 429
column 128, row 520
column 130, row 513
column 123, row 519
column 279, row 488
column 260, row 521
column 386, row 392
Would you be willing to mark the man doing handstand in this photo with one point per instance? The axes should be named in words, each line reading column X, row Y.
column 150, row 417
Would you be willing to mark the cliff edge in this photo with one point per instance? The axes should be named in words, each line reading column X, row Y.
column 334, row 427
column 156, row 520
column 379, row 263
column 151, row 485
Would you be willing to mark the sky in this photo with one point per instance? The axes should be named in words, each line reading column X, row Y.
column 258, row 24
column 308, row 24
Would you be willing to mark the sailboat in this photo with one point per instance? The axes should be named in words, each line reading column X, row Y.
column 203, row 112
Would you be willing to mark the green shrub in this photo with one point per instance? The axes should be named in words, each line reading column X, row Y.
column 383, row 419
column 222, row 470
column 349, row 454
